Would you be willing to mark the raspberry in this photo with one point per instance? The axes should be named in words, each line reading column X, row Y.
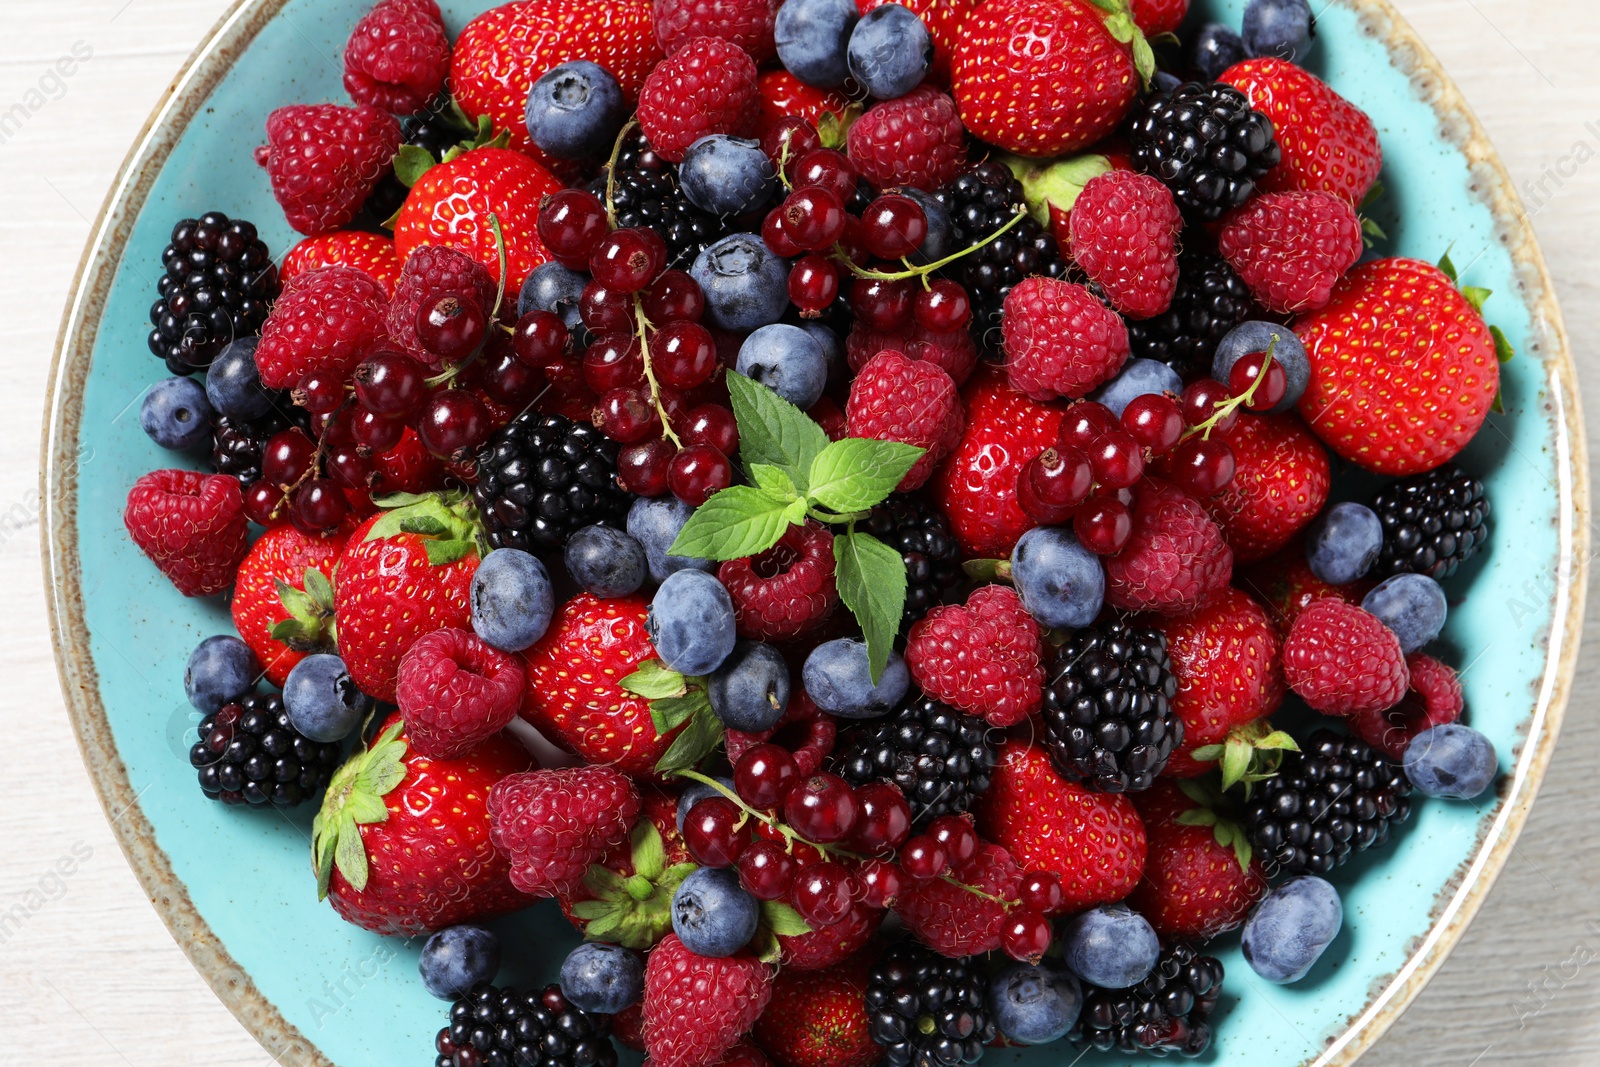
column 552, row 824
column 454, row 691
column 398, row 56
column 1292, row 248
column 982, row 658
column 1433, row 698
column 953, row 352
column 429, row 273
column 829, row 945
column 786, row 590
column 1124, row 235
column 906, row 400
column 1059, row 340
column 915, row 140
column 326, row 321
column 1174, row 559
column 708, row 86
column 1342, row 661
column 191, row 525
column 697, row 1008
column 747, row 23
column 324, row 161
column 955, row 922
column 805, row 730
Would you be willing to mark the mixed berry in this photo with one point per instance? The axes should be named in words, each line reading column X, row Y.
column 897, row 480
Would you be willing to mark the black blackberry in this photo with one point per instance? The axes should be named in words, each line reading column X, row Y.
column 981, row 200
column 941, row 759
column 543, row 477
column 927, row 1010
column 646, row 193
column 1210, row 300
column 493, row 1027
column 921, row 535
column 436, row 129
column 1432, row 523
column 1165, row 1013
column 1336, row 796
column 237, row 445
column 249, row 753
column 1205, row 143
column 219, row 283
column 1108, row 714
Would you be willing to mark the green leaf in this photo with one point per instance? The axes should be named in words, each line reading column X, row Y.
column 649, row 852
column 653, row 680
column 669, row 713
column 795, row 513
column 736, row 522
column 772, row 479
column 1373, row 195
column 318, row 587
column 1476, row 296
column 834, row 127
column 592, row 909
column 1235, row 762
column 349, row 855
column 441, row 553
column 602, row 881
column 1448, row 265
column 774, row 431
column 1207, row 753
column 988, row 570
column 783, row 920
column 1194, row 791
column 1197, row 817
column 1050, row 187
column 1371, row 232
column 411, row 163
column 698, row 738
column 603, row 927
column 766, row 947
column 858, row 473
column 366, row 808
column 1498, row 406
column 1502, row 345
column 872, row 583
column 424, row 525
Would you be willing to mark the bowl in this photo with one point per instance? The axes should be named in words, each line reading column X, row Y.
column 235, row 886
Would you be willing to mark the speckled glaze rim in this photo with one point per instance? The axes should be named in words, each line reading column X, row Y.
column 233, row 33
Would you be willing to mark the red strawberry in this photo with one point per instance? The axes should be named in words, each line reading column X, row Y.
column 552, row 824
column 430, row 272
column 952, row 351
column 1433, row 698
column 982, row 658
column 1174, row 559
column 324, row 161
column 654, row 851
column 1285, row 584
column 1059, row 340
column 370, row 253
column 1291, row 249
column 1156, row 17
column 1093, row 841
column 327, row 321
column 695, row 1008
column 454, row 691
column 1342, row 661
column 912, row 401
column 819, row 1019
column 786, row 591
column 276, row 615
column 1124, row 229
column 943, row 18
column 781, row 94
column 915, row 140
column 826, row 946
column 191, row 525
column 1200, row 878
column 1280, row 482
column 747, row 23
column 1403, row 368
column 398, row 56
column 953, row 920
column 708, row 86
column 421, row 859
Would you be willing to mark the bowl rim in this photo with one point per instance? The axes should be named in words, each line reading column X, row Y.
column 130, row 189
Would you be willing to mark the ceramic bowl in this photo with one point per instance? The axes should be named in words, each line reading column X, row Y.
column 235, row 886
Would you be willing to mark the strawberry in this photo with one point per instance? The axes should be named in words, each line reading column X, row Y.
column 912, row 401
column 695, row 1008
column 982, row 658
column 608, row 901
column 324, row 161
column 369, row 253
column 398, row 56
column 1174, row 559
column 553, row 824
column 1285, row 585
column 819, row 1018
column 280, row 608
column 401, row 845
column 1200, row 878
column 1156, row 17
column 1433, row 698
column 1123, row 232
column 943, row 18
column 914, row 140
column 1060, row 340
column 1403, row 368
column 191, row 526
column 1291, row 249
column 826, row 946
column 951, row 919
column 1280, row 483
column 1341, row 660
column 781, row 94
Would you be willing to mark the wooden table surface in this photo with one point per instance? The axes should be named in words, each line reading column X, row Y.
column 92, row 977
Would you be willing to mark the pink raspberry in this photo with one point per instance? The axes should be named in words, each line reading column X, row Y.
column 431, row 272
column 324, row 160
column 552, row 825
column 1291, row 249
column 1059, row 340
column 953, row 352
column 787, row 590
column 914, row 140
column 982, row 658
column 1342, row 661
column 1124, row 234
column 398, row 56
column 697, row 1008
column 326, row 320
column 707, row 86
column 747, row 23
column 828, row 945
column 1175, row 558
column 808, row 732
column 910, row 401
column 455, row 692
column 1433, row 698
column 955, row 922
column 191, row 525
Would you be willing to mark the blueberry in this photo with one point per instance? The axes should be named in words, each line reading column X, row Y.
column 1034, row 1003
column 1061, row 583
column 552, row 287
column 602, row 978
column 691, row 623
column 727, row 175
column 838, row 681
column 1412, row 605
column 787, row 360
column 177, row 415
column 1276, row 27
column 1255, row 336
column 221, row 669
column 712, row 914
column 890, row 51
column 938, row 243
column 1291, row 927
column 1137, row 378
column 457, row 958
column 606, row 562
column 655, row 523
column 322, row 699
column 746, row 285
column 1344, row 542
column 512, row 600
column 233, row 384
column 575, row 110
column 813, row 36
column 1451, row 761
column 750, row 691
column 1216, row 48
column 694, row 793
column 1111, row 947
column 832, row 351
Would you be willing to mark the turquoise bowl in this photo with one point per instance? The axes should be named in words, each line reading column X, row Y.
column 236, row 887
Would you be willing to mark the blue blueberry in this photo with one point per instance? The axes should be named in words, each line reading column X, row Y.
column 1256, row 336
column 746, row 285
column 1137, row 378
column 512, row 600
column 727, row 175
column 940, row 240
column 1291, row 928
column 1111, row 947
column 602, row 978
column 575, row 110
column 1451, row 761
column 1216, row 48
column 606, row 562
column 1034, row 1003
column 787, row 360
column 1061, row 583
column 177, row 415
column 552, row 287
column 322, row 700
column 233, row 383
column 655, row 523
column 695, row 792
column 712, row 914
column 813, row 36
column 691, row 623
column 838, row 680
column 1412, row 605
column 457, row 958
column 1344, row 542
column 1276, row 27
column 750, row 691
column 890, row 51
column 221, row 669
column 832, row 351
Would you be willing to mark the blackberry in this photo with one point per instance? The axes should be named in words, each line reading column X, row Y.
column 921, row 535
column 493, row 1027
column 1206, row 143
column 542, row 478
column 237, row 445
column 941, row 759
column 1210, row 300
column 1432, row 523
column 926, row 1010
column 1108, row 716
column 249, row 753
column 1336, row 796
column 1165, row 1013
column 436, row 129
column 646, row 193
column 219, row 283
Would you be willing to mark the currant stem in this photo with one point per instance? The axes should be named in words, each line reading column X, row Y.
column 769, row 820
column 650, row 370
column 927, row 268
column 1232, row 404
column 611, row 171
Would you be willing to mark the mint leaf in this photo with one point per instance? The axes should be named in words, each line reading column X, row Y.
column 772, row 479
column 738, row 521
column 872, row 583
column 858, row 472
column 653, row 680
column 773, row 431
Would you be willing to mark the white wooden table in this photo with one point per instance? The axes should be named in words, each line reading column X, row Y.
column 91, row 975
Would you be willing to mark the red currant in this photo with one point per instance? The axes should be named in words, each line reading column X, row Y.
column 957, row 837
column 813, row 217
column 453, row 424
column 851, row 244
column 765, row 774
column 813, row 285
column 613, row 362
column 881, row 883
column 683, row 354
column 540, row 339
column 571, row 224
column 1117, row 460
column 828, row 168
column 627, row 415
column 391, row 384
column 347, row 466
column 287, row 456
column 884, row 820
column 506, row 378
column 1154, row 420
column 1041, row 892
column 776, row 236
column 605, row 310
column 642, row 468
column 824, row 893
column 1103, row 525
column 786, row 140
column 625, row 261
column 375, row 433
column 674, row 297
column 1085, row 421
column 882, row 305
column 894, row 226
column 1203, row 467
column 1025, row 936
column 823, row 808
column 263, row 503
column 923, row 859
column 715, row 832
column 319, row 393
column 452, row 327
column 320, row 505
column 1061, row 477
column 1200, row 402
column 766, row 870
column 942, row 307
column 710, row 424
column 697, row 472
column 1273, row 388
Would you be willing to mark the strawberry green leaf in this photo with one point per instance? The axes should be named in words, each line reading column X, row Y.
column 833, row 127
column 1235, row 763
column 766, row 947
column 772, row 479
column 319, row 588
column 1498, row 406
column 783, row 920
column 1374, row 194
column 411, row 163
column 774, row 431
column 872, row 583
column 653, row 681
column 604, row 926
column 702, row 734
column 602, row 881
column 1195, row 791
column 1056, row 186
column 1207, row 753
column 1448, row 265
column 649, row 852
column 736, row 522
column 592, row 909
column 858, row 473
column 1197, row 817
column 1477, row 296
column 669, row 713
column 988, row 570
column 1502, row 345
column 1371, row 232
column 349, row 854
column 441, row 553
